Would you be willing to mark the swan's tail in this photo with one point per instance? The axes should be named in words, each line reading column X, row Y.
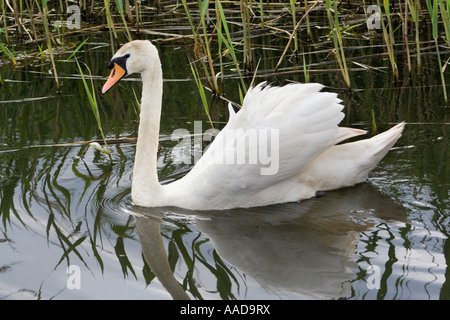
column 371, row 151
column 350, row 163
column 383, row 142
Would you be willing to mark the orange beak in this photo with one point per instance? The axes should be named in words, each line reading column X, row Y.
column 116, row 74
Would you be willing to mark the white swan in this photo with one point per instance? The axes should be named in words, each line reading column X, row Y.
column 303, row 150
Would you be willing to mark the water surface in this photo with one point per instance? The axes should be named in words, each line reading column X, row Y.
column 384, row 239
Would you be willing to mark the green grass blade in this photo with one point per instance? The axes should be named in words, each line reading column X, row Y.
column 90, row 92
column 201, row 91
column 77, row 49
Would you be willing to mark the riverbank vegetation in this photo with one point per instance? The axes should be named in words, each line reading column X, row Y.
column 230, row 39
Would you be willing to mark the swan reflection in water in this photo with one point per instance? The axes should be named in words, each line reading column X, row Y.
column 305, row 248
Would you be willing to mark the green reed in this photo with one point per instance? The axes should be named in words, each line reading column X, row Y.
column 224, row 37
column 291, row 37
column 413, row 9
column 110, row 22
column 246, row 30
column 224, row 32
column 294, row 23
column 374, row 123
column 261, row 13
column 388, row 36
column 90, row 93
column 444, row 9
column 405, row 23
column 308, row 25
column 332, row 13
column 8, row 53
column 121, row 7
column 201, row 90
column 48, row 37
column 202, row 43
column 305, row 69
column 5, row 25
column 225, row 47
column 433, row 9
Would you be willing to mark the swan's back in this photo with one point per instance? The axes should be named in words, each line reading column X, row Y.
column 278, row 131
column 279, row 147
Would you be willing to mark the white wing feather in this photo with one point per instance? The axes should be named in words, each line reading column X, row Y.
column 307, row 122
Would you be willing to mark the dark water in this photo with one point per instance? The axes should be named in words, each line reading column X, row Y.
column 70, row 231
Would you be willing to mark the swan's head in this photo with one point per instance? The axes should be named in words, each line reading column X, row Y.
column 137, row 56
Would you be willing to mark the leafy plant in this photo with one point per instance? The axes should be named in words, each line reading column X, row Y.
column 44, row 14
column 90, row 92
column 336, row 36
column 415, row 17
column 433, row 9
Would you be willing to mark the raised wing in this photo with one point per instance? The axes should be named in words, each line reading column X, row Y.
column 276, row 134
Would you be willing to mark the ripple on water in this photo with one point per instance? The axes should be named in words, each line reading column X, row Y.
column 115, row 206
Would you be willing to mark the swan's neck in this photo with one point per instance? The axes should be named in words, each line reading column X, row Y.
column 145, row 184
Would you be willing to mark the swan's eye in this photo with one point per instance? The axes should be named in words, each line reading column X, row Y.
column 121, row 61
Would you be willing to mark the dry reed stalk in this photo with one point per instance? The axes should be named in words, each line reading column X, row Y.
column 291, row 37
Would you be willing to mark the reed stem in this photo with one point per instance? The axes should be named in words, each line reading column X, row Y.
column 109, row 21
column 433, row 9
column 90, row 92
column 48, row 38
column 337, row 40
column 445, row 14
column 294, row 23
column 5, row 25
column 245, row 14
column 389, row 38
column 415, row 17
column 405, row 37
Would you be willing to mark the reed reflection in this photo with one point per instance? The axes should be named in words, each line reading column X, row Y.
column 306, row 249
